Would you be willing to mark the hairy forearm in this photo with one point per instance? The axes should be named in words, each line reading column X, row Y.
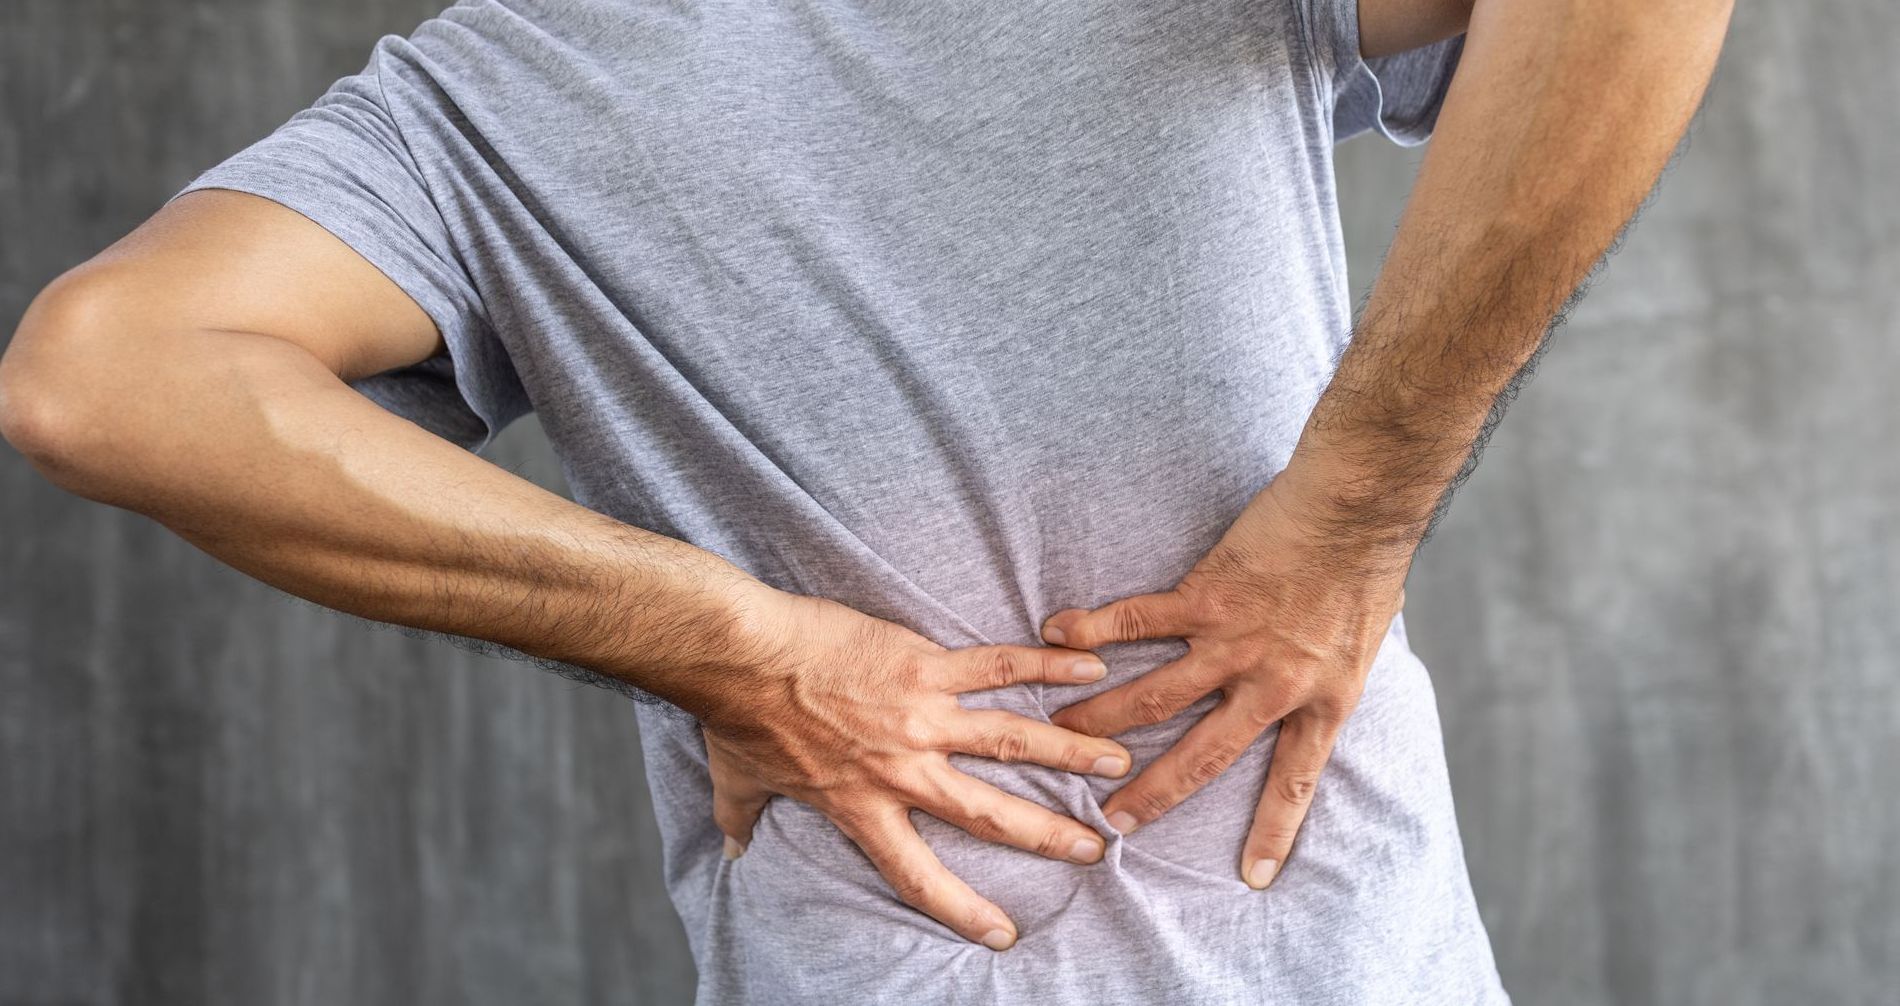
column 1557, row 125
column 251, row 449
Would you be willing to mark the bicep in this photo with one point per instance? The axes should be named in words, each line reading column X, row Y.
column 221, row 259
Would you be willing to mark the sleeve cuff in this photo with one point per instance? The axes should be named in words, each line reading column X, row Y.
column 1398, row 96
column 342, row 164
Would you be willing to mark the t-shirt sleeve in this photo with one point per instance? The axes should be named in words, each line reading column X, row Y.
column 1398, row 95
column 343, row 163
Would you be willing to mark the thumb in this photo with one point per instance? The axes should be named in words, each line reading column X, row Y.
column 738, row 799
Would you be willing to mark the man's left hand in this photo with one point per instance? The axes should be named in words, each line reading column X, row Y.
column 1283, row 616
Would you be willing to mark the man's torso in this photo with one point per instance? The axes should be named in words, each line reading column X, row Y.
column 958, row 314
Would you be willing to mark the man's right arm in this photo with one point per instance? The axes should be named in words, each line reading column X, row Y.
column 196, row 372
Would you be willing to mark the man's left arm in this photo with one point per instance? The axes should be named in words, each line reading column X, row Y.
column 1557, row 124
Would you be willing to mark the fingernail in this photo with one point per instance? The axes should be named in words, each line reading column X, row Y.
column 1122, row 821
column 997, row 939
column 1108, row 765
column 1086, row 850
column 1054, row 635
column 733, row 849
column 1088, row 670
column 1260, row 874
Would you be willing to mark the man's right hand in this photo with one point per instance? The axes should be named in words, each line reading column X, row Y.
column 857, row 716
column 196, row 372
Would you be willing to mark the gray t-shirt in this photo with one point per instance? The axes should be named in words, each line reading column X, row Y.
column 960, row 314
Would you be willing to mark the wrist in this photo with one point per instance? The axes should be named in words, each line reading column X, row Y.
column 1366, row 517
column 693, row 634
column 1387, row 439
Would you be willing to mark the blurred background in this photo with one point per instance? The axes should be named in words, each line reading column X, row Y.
column 1661, row 617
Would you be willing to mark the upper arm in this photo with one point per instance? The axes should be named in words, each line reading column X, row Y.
column 233, row 261
column 327, row 233
column 1393, row 26
column 208, row 261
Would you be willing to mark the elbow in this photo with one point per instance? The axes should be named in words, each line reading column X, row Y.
column 55, row 378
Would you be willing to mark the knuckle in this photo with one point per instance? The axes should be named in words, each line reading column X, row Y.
column 998, row 669
column 921, row 789
column 1296, row 787
column 1332, row 709
column 1205, row 768
column 1151, row 706
column 1009, row 744
column 985, row 826
column 1247, row 653
column 1151, row 803
column 1262, row 715
column 1298, row 679
column 1051, row 844
column 899, row 779
column 916, row 730
column 1128, row 620
column 1280, row 696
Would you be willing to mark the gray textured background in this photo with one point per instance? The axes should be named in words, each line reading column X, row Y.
column 1661, row 616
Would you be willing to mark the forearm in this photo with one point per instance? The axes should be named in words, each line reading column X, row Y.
column 1561, row 117
column 251, row 449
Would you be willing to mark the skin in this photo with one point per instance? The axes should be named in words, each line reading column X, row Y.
column 1558, row 123
column 195, row 371
column 1284, row 616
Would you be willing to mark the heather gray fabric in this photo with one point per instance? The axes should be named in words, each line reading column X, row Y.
column 960, row 314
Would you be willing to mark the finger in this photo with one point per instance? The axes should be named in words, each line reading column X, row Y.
column 1005, row 736
column 1140, row 616
column 1198, row 758
column 976, row 668
column 1158, row 695
column 921, row 880
column 738, row 799
column 992, row 815
column 1299, row 755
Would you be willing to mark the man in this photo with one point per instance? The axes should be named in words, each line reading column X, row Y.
column 904, row 360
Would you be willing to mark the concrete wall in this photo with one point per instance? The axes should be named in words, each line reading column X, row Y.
column 215, row 793
column 1661, row 616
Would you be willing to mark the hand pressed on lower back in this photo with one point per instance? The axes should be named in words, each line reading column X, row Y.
column 857, row 716
column 1283, row 617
